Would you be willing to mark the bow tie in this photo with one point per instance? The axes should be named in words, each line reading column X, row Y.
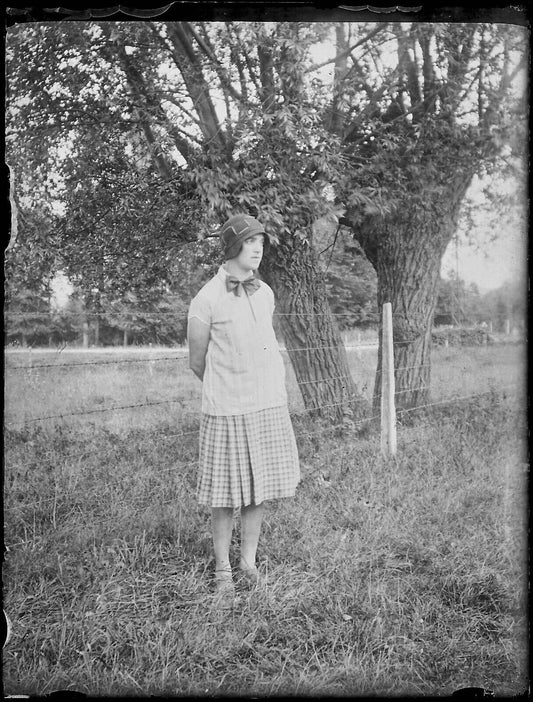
column 251, row 284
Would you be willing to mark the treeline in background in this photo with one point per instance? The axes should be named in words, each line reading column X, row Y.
column 158, row 317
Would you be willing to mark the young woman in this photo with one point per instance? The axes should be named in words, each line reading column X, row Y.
column 248, row 452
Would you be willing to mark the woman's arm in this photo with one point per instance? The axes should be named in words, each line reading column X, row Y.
column 198, row 336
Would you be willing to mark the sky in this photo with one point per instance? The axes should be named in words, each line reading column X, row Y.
column 499, row 254
column 490, row 265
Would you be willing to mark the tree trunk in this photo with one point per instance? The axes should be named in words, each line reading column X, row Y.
column 407, row 278
column 406, row 250
column 97, row 331
column 85, row 335
column 125, row 338
column 406, row 254
column 311, row 335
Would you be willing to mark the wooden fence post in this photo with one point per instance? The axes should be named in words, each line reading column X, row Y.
column 388, row 410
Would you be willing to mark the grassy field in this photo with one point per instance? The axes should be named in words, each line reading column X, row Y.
column 382, row 577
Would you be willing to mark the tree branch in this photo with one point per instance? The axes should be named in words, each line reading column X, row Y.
column 221, row 71
column 188, row 63
column 266, row 71
column 428, row 69
column 349, row 50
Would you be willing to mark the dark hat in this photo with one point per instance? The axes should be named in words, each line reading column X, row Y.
column 238, row 228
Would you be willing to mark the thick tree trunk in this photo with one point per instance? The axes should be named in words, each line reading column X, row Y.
column 311, row 335
column 406, row 254
column 406, row 250
column 407, row 278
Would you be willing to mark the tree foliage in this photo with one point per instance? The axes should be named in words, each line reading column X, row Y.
column 415, row 131
column 169, row 128
column 350, row 278
column 150, row 134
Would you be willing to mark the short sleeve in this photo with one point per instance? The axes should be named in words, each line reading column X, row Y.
column 200, row 308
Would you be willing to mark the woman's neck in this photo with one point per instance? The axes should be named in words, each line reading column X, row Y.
column 232, row 268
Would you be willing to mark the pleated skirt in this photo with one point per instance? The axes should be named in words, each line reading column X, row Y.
column 247, row 459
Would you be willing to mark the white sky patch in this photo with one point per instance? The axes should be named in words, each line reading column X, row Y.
column 488, row 265
column 494, row 252
column 61, row 290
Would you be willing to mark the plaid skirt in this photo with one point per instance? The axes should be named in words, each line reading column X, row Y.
column 247, row 459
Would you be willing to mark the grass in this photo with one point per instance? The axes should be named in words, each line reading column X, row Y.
column 403, row 576
column 66, row 386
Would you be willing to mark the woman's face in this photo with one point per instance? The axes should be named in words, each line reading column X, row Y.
column 251, row 252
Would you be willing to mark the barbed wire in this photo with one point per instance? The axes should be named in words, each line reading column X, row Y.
column 300, row 383
column 98, row 410
column 185, row 356
column 119, row 325
column 453, row 400
column 346, row 402
column 89, row 315
column 180, row 434
column 97, row 363
column 95, row 410
column 299, row 434
column 325, row 380
column 156, row 491
column 140, row 313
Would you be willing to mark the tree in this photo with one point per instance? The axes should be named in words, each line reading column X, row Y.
column 224, row 117
column 143, row 321
column 269, row 158
column 506, row 305
column 417, row 126
column 458, row 304
column 29, row 265
column 350, row 279
column 217, row 117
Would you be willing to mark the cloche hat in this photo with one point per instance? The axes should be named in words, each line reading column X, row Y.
column 235, row 230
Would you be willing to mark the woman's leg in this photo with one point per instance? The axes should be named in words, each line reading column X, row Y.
column 222, row 526
column 251, row 519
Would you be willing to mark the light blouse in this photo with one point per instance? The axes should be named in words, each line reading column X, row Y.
column 244, row 370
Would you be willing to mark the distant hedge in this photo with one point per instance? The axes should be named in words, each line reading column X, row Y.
column 461, row 336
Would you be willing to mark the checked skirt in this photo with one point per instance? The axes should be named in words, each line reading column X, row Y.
column 247, row 459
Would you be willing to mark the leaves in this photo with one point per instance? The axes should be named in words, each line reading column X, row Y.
column 136, row 139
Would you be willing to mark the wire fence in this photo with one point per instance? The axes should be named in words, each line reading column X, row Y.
column 183, row 357
column 69, row 500
column 142, row 324
column 99, row 410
